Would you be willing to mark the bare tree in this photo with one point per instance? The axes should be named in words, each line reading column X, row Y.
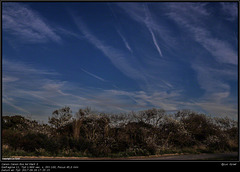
column 60, row 117
column 151, row 116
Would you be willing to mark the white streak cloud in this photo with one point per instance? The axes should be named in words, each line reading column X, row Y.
column 125, row 41
column 135, row 12
column 147, row 22
column 93, row 75
column 117, row 57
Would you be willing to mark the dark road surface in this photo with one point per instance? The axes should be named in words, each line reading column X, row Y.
column 225, row 156
column 219, row 156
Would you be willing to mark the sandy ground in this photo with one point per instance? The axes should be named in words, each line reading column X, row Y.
column 219, row 156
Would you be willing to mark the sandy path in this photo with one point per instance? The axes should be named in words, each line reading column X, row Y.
column 225, row 156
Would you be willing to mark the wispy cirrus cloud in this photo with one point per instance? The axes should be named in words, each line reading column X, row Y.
column 21, row 82
column 9, row 66
column 143, row 99
column 213, row 77
column 37, row 92
column 26, row 24
column 198, row 71
column 93, row 75
column 148, row 21
column 10, row 103
column 214, row 86
column 135, row 11
column 62, row 31
column 146, row 77
column 219, row 109
column 188, row 15
column 126, row 62
column 9, row 79
column 150, row 83
column 222, row 51
column 230, row 9
column 217, row 98
column 40, row 93
column 125, row 41
column 117, row 57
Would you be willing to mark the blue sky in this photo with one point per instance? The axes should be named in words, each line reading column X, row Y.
column 119, row 57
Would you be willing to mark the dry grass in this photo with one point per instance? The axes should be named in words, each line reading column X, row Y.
column 94, row 158
column 5, row 147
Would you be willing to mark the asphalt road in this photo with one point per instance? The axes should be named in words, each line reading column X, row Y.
column 219, row 156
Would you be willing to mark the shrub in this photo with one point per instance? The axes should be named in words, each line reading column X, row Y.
column 200, row 126
column 16, row 122
column 33, row 141
column 174, row 133
column 12, row 138
column 52, row 146
column 143, row 133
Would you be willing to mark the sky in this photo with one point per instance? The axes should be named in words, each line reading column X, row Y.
column 119, row 57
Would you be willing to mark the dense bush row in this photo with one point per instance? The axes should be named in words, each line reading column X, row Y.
column 95, row 134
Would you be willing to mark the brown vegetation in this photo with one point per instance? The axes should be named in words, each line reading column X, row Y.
column 95, row 134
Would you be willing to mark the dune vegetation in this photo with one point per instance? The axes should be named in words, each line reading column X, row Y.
column 94, row 134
